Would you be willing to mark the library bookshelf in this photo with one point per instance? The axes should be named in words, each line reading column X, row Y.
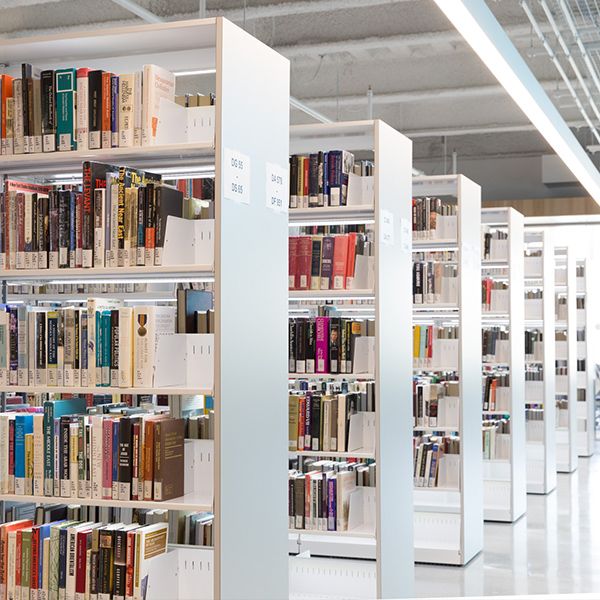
column 448, row 520
column 585, row 369
column 504, row 485
column 249, row 234
column 384, row 531
column 566, row 359
column 540, row 401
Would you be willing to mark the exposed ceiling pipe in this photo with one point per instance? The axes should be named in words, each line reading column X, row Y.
column 311, row 112
column 369, row 103
column 140, row 11
column 558, row 65
column 584, row 53
column 460, row 131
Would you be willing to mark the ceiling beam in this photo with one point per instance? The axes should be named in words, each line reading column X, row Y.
column 139, row 11
column 477, row 24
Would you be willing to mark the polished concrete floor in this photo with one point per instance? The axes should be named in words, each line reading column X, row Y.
column 553, row 549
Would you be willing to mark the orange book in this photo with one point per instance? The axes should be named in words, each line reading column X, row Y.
column 340, row 258
column 4, row 529
column 6, row 92
column 106, row 106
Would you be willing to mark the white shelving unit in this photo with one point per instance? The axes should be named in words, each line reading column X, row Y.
column 449, row 521
column 540, row 395
column 250, row 238
column 585, row 376
column 566, row 384
column 389, row 541
column 504, row 485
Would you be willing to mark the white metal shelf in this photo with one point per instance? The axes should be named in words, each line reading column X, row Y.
column 189, row 501
column 331, row 214
column 419, row 245
column 331, row 376
column 353, row 533
column 428, row 428
column 111, row 274
column 100, row 390
column 144, row 296
column 180, row 155
column 331, row 294
column 353, row 454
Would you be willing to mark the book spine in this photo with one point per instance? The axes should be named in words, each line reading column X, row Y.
column 73, row 464
column 88, row 224
column 98, row 223
column 65, row 485
column 48, row 425
column 114, row 347
column 106, row 109
column 53, row 229
column 95, row 109
column 72, row 229
column 107, row 459
column 48, row 111
column 141, row 227
column 66, row 90
column 18, row 124
column 83, row 113
column 116, row 426
column 38, row 455
column 114, row 111
column 150, row 224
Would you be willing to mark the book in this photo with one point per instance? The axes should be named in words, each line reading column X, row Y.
column 65, row 94
column 168, row 459
column 190, row 302
column 158, row 83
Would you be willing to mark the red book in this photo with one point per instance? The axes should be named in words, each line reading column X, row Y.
column 106, row 106
column 340, row 258
column 350, row 262
column 304, row 262
column 130, row 560
column 430, row 341
column 84, row 542
column 301, row 421
column 293, row 263
column 35, row 558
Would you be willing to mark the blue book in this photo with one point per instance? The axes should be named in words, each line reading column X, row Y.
column 52, row 410
column 115, row 459
column 66, row 90
column 44, row 533
column 23, row 426
column 106, row 347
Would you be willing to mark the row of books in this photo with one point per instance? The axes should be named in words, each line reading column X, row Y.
column 64, row 452
column 494, row 446
column 327, row 262
column 118, row 219
column 185, row 527
column 534, row 374
column 321, row 422
column 81, row 109
column 494, row 295
column 103, row 344
column 435, row 346
column 433, row 218
column 431, row 397
column 534, row 350
column 494, row 244
column 428, row 453
column 491, row 384
column 322, row 179
column 75, row 559
column 494, row 344
column 434, row 282
column 325, row 344
column 319, row 496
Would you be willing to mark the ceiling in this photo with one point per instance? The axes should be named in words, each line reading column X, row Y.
column 425, row 80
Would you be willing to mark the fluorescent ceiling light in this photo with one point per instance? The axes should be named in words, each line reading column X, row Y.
column 480, row 29
column 194, row 72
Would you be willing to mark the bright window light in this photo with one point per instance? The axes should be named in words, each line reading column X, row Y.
column 478, row 26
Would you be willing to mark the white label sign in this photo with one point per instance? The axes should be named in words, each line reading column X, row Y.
column 237, row 176
column 277, row 188
column 387, row 227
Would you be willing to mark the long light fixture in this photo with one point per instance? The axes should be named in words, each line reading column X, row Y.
column 480, row 29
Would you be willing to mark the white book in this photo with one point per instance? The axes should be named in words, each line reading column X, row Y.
column 150, row 322
column 96, row 458
column 28, row 230
column 126, row 109
column 43, row 591
column 11, row 560
column 22, row 338
column 150, row 541
column 4, row 451
column 158, row 83
column 18, row 128
column 137, row 108
column 125, row 346
column 99, row 248
column 83, row 113
column 346, row 484
column 7, row 144
column 38, row 454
